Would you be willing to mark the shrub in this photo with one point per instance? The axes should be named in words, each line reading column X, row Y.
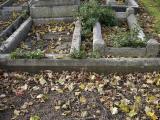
column 91, row 12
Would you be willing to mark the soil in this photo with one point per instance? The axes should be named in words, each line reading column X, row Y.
column 87, row 43
column 5, row 22
column 108, row 33
column 55, row 37
column 78, row 96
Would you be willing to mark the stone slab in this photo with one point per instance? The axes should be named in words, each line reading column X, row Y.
column 109, row 65
column 133, row 23
column 126, row 52
column 42, row 3
column 98, row 42
column 76, row 40
column 53, row 12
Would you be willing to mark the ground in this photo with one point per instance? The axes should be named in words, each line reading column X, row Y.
column 79, row 95
column 48, row 95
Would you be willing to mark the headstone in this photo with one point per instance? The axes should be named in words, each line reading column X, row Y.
column 53, row 8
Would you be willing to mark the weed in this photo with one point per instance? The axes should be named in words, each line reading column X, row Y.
column 78, row 54
column 128, row 39
column 22, row 54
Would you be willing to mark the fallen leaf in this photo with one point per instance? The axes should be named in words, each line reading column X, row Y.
column 35, row 117
column 42, row 81
column 16, row 112
column 114, row 110
column 84, row 114
column 83, row 100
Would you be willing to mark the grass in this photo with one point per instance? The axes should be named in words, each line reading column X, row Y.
column 153, row 7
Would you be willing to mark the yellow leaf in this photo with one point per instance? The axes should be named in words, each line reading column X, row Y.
column 138, row 99
column 83, row 100
column 158, row 82
column 152, row 115
column 35, row 117
column 59, row 90
column 132, row 113
column 151, row 98
column 82, row 86
column 124, row 107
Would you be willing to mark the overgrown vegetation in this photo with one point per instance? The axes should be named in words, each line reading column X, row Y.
column 90, row 12
column 78, row 54
column 128, row 39
column 22, row 54
column 82, row 54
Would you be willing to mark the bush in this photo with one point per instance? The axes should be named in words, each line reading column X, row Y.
column 91, row 12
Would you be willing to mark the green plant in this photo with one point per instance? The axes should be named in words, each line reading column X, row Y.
column 95, row 54
column 21, row 54
column 91, row 12
column 128, row 39
column 78, row 54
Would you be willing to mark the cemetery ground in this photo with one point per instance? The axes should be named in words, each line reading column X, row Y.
column 79, row 95
column 83, row 95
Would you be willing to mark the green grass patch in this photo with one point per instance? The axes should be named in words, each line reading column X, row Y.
column 154, row 10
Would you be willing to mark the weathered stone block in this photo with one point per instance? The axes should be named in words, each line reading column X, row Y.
column 76, row 40
column 55, row 2
column 152, row 48
column 98, row 42
column 133, row 23
column 53, row 11
column 126, row 52
column 111, row 2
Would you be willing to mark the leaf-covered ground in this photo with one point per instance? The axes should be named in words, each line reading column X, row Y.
column 150, row 17
column 5, row 22
column 79, row 96
column 54, row 37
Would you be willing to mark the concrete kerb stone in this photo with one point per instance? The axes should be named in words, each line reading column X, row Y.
column 126, row 52
column 12, row 42
column 76, row 40
column 98, row 42
column 133, row 23
column 109, row 65
column 152, row 48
